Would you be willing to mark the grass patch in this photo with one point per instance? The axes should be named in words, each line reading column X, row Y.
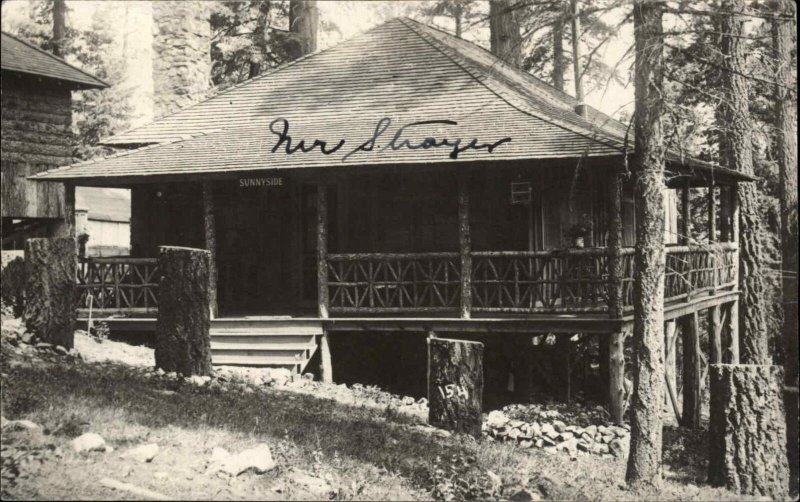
column 362, row 453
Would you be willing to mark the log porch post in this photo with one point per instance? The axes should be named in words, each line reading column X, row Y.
column 322, row 250
column 614, row 244
column 684, row 237
column 464, row 245
column 712, row 213
column 209, row 224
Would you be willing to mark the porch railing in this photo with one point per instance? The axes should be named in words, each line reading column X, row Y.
column 574, row 280
column 693, row 270
column 558, row 281
column 386, row 282
column 119, row 284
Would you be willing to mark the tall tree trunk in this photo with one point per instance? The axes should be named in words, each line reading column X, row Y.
column 303, row 22
column 786, row 153
column 577, row 67
column 504, row 37
column 59, row 26
column 559, row 62
column 738, row 152
column 644, row 460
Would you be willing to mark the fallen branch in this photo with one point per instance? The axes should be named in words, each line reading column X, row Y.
column 126, row 487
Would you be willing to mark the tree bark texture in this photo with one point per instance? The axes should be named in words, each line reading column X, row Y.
column 183, row 342
column 59, row 26
column 50, row 283
column 455, row 385
column 783, row 34
column 559, row 61
column 504, row 35
column 737, row 150
column 577, row 65
column 644, row 460
column 747, row 430
column 303, row 23
column 692, row 383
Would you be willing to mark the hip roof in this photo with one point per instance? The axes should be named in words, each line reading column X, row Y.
column 395, row 75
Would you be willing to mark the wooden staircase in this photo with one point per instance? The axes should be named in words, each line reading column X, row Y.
column 275, row 342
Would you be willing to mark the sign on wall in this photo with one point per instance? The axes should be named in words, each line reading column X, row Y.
column 273, row 182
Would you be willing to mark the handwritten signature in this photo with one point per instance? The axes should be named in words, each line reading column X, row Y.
column 280, row 128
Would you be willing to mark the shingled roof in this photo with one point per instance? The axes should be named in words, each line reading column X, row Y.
column 402, row 71
column 22, row 57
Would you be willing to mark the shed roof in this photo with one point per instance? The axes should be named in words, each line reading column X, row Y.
column 22, row 57
column 402, row 71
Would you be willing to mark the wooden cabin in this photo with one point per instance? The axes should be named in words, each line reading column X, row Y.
column 404, row 180
column 36, row 136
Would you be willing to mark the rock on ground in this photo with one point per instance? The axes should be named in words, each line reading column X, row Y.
column 89, row 442
column 257, row 459
column 142, row 453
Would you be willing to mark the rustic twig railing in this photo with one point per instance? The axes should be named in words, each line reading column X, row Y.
column 558, row 281
column 692, row 270
column 382, row 282
column 119, row 284
column 386, row 283
column 573, row 280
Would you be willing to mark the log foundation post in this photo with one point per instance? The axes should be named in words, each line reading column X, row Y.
column 730, row 327
column 670, row 362
column 692, row 384
column 616, row 376
column 714, row 324
column 326, row 366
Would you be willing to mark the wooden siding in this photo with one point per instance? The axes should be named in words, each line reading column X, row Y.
column 36, row 136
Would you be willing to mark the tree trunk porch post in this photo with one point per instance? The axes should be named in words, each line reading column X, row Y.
column 614, row 244
column 683, row 239
column 322, row 250
column 210, row 229
column 464, row 245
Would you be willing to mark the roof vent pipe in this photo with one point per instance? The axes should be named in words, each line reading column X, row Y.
column 580, row 109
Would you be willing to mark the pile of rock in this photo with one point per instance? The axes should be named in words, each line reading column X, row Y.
column 534, row 426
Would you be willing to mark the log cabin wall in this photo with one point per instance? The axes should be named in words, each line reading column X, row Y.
column 36, row 136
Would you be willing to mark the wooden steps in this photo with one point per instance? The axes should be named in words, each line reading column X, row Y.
column 277, row 342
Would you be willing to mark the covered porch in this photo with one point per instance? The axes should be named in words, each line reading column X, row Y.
column 449, row 244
